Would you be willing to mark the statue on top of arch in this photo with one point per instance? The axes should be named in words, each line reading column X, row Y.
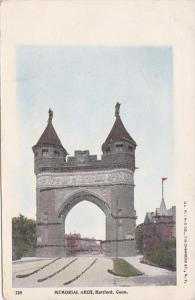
column 50, row 116
column 117, row 109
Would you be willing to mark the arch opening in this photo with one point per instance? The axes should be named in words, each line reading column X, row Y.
column 84, row 216
column 85, row 226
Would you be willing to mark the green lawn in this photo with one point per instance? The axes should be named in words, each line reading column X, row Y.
column 122, row 268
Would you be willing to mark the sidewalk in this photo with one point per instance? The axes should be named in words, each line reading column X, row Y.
column 152, row 276
column 147, row 269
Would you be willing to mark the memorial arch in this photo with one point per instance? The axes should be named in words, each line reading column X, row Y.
column 63, row 181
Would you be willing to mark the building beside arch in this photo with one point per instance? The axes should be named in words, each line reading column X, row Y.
column 62, row 181
column 159, row 226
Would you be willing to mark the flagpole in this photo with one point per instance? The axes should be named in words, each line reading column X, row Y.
column 163, row 179
column 162, row 189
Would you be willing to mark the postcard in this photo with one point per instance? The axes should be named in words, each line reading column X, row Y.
column 97, row 149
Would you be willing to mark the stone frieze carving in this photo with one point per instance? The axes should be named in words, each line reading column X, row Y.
column 107, row 177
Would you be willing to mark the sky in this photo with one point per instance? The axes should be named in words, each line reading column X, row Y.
column 82, row 85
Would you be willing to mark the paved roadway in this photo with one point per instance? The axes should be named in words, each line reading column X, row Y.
column 84, row 271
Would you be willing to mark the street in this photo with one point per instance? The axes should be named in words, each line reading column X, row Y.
column 84, row 271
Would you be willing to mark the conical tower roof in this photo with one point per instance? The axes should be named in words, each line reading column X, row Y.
column 163, row 209
column 49, row 136
column 118, row 131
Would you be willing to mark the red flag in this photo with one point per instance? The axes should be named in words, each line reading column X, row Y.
column 164, row 178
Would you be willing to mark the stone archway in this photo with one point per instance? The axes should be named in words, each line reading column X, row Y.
column 111, row 190
column 82, row 195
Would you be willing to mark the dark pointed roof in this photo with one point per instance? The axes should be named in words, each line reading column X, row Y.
column 49, row 136
column 118, row 132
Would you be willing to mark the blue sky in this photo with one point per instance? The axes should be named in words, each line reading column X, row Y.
column 82, row 85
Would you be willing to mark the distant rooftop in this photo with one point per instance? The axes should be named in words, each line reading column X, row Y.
column 160, row 212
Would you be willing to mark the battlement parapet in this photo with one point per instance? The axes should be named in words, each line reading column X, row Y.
column 83, row 161
column 83, row 157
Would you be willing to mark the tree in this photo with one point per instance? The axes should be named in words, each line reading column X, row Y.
column 23, row 237
column 139, row 237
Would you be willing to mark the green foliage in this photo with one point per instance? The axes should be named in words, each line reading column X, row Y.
column 122, row 268
column 163, row 255
column 23, row 237
column 139, row 238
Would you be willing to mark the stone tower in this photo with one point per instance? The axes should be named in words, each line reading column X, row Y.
column 48, row 151
column 63, row 182
column 119, row 153
column 119, row 147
